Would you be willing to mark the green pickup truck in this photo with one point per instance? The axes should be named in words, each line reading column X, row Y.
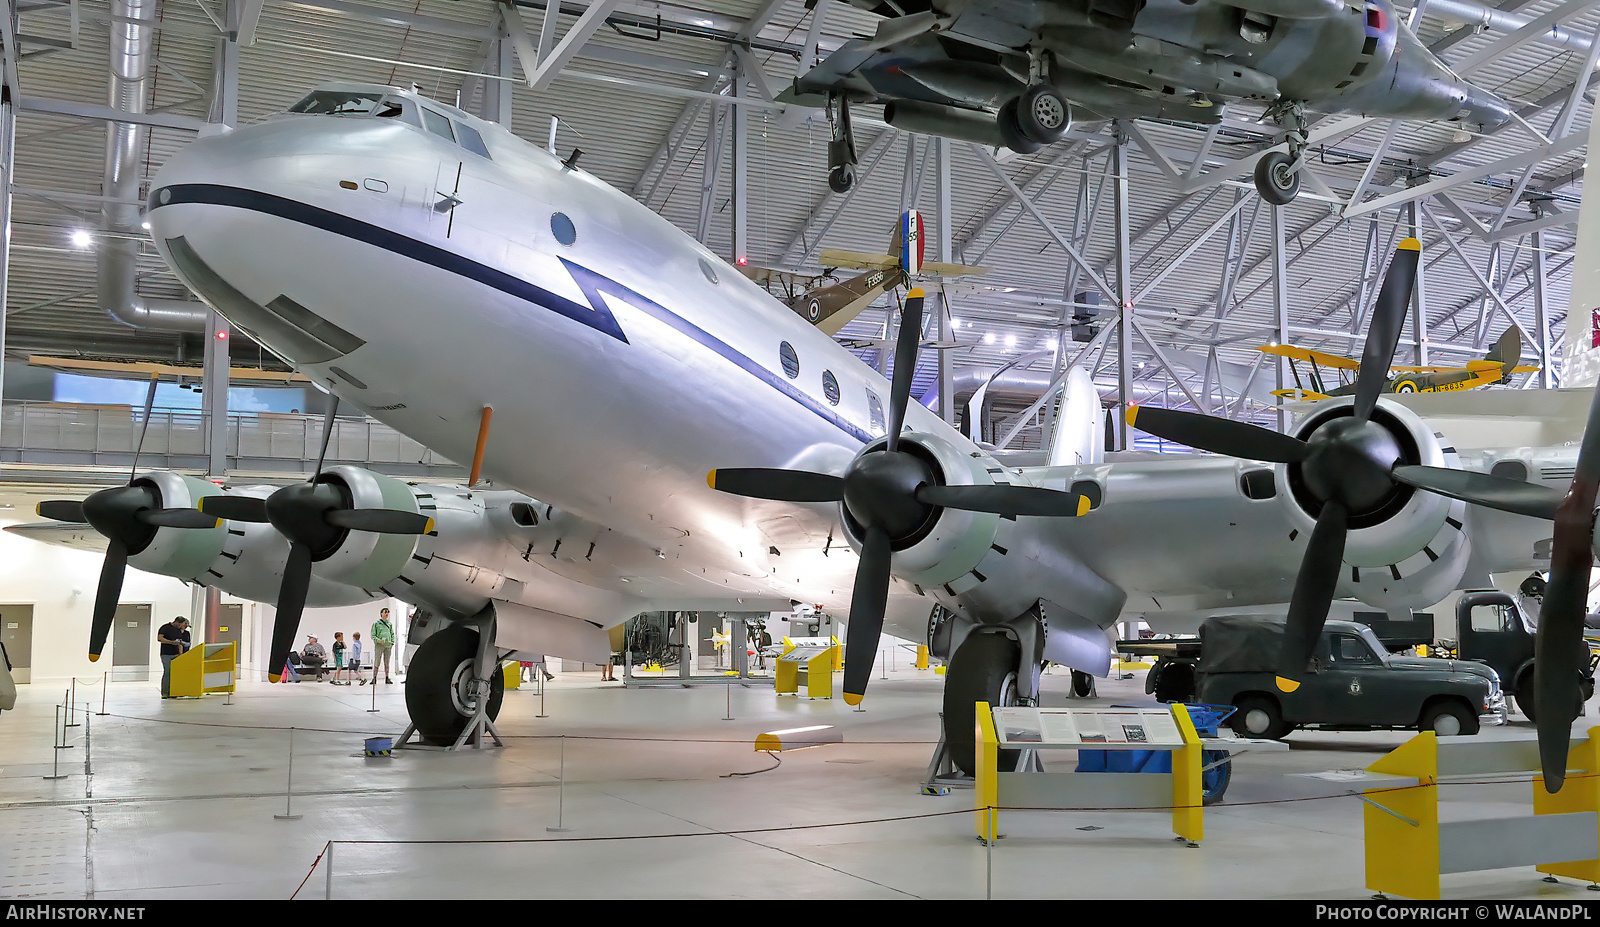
column 1353, row 683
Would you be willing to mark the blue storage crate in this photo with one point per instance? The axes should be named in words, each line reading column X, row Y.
column 1207, row 722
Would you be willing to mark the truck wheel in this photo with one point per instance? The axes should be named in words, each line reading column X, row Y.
column 983, row 669
column 1448, row 719
column 1525, row 697
column 1176, row 683
column 1259, row 716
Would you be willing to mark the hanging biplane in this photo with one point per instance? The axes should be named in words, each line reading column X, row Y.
column 1497, row 366
column 831, row 306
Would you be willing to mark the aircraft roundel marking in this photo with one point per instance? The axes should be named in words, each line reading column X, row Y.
column 1405, row 386
column 814, row 310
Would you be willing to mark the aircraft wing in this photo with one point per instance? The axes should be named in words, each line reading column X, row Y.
column 62, row 534
column 941, row 269
column 1320, row 358
column 833, row 257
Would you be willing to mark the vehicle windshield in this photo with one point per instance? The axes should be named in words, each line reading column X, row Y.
column 339, row 103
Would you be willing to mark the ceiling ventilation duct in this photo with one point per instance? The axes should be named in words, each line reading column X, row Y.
column 132, row 29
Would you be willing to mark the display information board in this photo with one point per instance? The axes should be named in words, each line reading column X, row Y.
column 1102, row 728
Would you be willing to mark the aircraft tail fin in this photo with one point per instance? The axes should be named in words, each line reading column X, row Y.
column 1077, row 439
column 1507, row 352
column 908, row 242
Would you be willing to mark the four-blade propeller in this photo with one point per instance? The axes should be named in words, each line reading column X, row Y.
column 1350, row 465
column 128, row 516
column 890, row 493
column 314, row 517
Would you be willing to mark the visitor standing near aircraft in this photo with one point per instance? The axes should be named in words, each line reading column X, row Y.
column 355, row 656
column 174, row 640
column 338, row 657
column 383, row 645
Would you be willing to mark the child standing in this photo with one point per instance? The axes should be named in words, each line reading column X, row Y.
column 355, row 656
column 338, row 658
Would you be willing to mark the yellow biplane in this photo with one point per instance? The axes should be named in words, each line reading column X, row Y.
column 1497, row 366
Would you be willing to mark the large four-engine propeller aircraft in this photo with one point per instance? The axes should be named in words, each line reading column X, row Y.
column 427, row 265
column 1017, row 75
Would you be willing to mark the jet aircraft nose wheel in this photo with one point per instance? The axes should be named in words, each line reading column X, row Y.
column 1042, row 115
column 842, row 178
column 1276, row 179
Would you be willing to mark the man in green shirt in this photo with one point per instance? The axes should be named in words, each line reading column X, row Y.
column 382, row 646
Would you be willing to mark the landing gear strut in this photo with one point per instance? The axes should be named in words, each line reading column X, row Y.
column 1278, row 173
column 841, row 147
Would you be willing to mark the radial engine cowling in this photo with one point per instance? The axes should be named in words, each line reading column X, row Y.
column 185, row 553
column 984, row 566
column 1406, row 549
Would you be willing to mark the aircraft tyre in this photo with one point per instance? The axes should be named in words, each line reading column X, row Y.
column 1276, row 180
column 1082, row 684
column 436, row 682
column 842, row 178
column 1042, row 114
column 1011, row 130
column 1175, row 684
column 1525, row 699
column 1447, row 718
column 983, row 669
column 1259, row 716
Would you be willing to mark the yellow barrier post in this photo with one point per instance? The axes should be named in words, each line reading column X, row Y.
column 922, row 656
column 1188, row 798
column 1580, row 793
column 1402, row 824
column 513, row 674
column 986, row 777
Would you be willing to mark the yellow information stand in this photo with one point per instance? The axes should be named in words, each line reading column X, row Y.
column 208, row 669
column 513, row 674
column 1169, row 728
column 815, row 663
column 1408, row 848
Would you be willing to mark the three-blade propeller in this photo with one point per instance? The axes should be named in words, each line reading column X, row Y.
column 891, row 494
column 1350, row 465
column 314, row 517
column 128, row 516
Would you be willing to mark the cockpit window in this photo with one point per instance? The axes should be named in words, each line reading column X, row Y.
column 437, row 123
column 339, row 103
column 471, row 140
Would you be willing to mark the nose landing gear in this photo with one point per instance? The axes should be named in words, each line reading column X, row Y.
column 841, row 147
column 1278, row 173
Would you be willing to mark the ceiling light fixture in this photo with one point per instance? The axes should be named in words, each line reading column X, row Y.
column 82, row 239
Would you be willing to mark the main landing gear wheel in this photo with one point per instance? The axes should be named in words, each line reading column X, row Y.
column 1042, row 114
column 842, row 178
column 1276, row 179
column 1525, row 700
column 1082, row 684
column 841, row 146
column 1010, row 126
column 984, row 669
column 439, row 685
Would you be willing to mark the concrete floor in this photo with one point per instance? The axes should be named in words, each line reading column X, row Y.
column 180, row 797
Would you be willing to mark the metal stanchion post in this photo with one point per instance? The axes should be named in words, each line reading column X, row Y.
column 55, row 765
column 727, row 692
column 105, row 678
column 374, row 696
column 988, row 853
column 288, row 787
column 327, row 893
column 541, row 713
column 88, row 770
column 72, row 702
column 61, row 722
column 561, row 792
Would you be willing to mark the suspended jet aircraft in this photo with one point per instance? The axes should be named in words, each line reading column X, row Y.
column 1497, row 366
column 427, row 266
column 1017, row 75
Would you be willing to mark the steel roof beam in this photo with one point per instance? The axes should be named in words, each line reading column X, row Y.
column 110, row 114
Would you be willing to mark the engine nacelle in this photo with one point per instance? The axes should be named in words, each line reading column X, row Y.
column 983, row 566
column 455, row 570
column 1410, row 550
column 185, row 553
column 243, row 559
